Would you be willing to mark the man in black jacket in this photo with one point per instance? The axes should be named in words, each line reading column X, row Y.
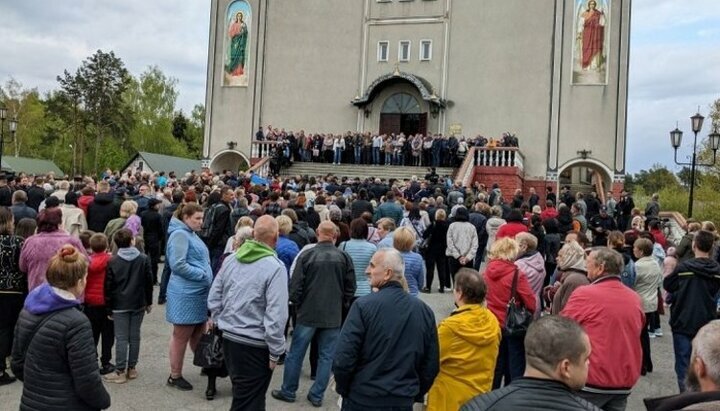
column 361, row 205
column 102, row 209
column 557, row 353
column 693, row 284
column 36, row 194
column 153, row 234
column 387, row 354
column 5, row 192
column 177, row 198
column 321, row 287
column 221, row 229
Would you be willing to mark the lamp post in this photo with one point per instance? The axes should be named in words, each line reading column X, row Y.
column 72, row 147
column 13, row 129
column 676, row 140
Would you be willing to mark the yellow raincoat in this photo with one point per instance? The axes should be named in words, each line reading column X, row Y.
column 469, row 343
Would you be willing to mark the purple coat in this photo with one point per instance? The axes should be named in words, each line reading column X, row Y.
column 37, row 251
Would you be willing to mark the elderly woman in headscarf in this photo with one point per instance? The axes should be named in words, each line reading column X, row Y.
column 571, row 274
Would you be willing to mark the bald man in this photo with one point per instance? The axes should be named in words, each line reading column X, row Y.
column 248, row 303
column 322, row 285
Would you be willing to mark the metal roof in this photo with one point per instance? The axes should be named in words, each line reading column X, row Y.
column 162, row 162
column 30, row 165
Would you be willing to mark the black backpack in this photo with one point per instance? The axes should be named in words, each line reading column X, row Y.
column 207, row 224
column 273, row 209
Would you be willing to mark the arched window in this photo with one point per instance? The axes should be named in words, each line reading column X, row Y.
column 401, row 103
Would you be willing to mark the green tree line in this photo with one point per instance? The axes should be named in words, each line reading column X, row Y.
column 100, row 115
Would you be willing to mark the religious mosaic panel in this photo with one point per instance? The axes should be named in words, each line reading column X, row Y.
column 590, row 43
column 236, row 49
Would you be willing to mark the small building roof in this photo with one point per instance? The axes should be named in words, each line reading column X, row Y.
column 30, row 165
column 162, row 162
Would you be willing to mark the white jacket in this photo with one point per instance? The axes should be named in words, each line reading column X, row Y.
column 648, row 278
column 462, row 240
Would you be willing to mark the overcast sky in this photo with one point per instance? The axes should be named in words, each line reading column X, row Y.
column 674, row 60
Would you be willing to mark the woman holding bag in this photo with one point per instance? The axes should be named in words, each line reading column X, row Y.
column 499, row 276
column 188, row 288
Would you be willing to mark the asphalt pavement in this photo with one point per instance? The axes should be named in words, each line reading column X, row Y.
column 150, row 392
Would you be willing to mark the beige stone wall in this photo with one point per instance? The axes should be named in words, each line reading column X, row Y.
column 503, row 65
column 499, row 75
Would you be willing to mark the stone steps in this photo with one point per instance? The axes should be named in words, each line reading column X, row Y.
column 361, row 171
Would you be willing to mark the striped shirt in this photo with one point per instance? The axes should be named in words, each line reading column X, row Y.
column 360, row 251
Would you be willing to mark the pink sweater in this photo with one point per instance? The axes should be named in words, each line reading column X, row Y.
column 39, row 249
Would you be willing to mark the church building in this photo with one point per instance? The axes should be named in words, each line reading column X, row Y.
column 552, row 72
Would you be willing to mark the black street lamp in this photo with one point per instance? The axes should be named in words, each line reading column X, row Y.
column 13, row 129
column 676, row 140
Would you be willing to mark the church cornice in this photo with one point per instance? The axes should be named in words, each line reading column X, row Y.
column 423, row 86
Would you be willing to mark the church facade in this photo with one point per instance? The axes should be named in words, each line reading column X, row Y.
column 552, row 72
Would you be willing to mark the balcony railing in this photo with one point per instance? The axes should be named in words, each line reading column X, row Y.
column 260, row 149
column 488, row 157
column 262, row 167
column 499, row 157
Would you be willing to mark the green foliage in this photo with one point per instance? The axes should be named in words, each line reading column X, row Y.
column 100, row 116
column 152, row 99
column 653, row 180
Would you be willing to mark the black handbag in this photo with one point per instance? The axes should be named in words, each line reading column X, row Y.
column 209, row 353
column 518, row 318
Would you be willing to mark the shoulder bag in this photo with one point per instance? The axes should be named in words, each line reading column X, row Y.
column 518, row 318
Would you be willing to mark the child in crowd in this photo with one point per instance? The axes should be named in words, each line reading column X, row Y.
column 95, row 298
column 128, row 296
column 25, row 227
column 85, row 240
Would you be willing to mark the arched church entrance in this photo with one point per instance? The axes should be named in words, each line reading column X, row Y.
column 586, row 175
column 231, row 160
column 402, row 113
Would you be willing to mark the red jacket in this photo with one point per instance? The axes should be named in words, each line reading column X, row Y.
column 511, row 229
column 548, row 213
column 95, row 288
column 499, row 277
column 84, row 202
column 660, row 238
column 612, row 316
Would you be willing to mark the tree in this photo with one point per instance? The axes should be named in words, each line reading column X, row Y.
column 95, row 92
column 152, row 98
column 180, row 125
column 655, row 179
column 684, row 176
column 190, row 131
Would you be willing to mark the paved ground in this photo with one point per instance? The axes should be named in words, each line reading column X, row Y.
column 149, row 391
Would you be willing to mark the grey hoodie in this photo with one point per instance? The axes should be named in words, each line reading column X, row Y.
column 249, row 298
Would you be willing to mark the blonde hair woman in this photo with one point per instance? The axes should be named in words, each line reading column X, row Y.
column 499, row 276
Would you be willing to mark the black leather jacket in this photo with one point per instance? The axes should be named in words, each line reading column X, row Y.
column 530, row 394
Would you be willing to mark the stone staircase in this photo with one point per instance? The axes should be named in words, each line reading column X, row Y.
column 361, row 171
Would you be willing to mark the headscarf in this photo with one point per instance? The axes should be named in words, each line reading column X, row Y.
column 571, row 257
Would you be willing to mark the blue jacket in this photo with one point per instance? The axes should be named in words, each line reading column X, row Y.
column 414, row 271
column 387, row 354
column 191, row 276
column 286, row 250
column 389, row 209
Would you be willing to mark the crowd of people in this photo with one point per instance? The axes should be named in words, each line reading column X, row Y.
column 374, row 148
column 556, row 304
